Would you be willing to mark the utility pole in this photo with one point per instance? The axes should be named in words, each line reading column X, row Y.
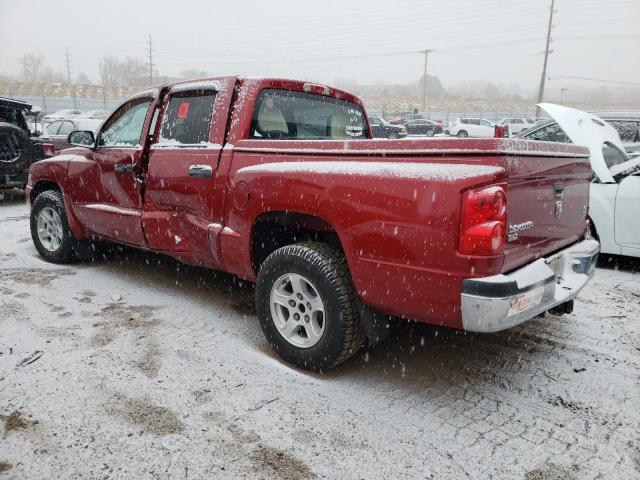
column 424, row 86
column 150, row 61
column 73, row 90
column 546, row 59
column 24, row 67
column 68, row 65
column 562, row 92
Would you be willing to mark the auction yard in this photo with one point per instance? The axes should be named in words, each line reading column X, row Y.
column 139, row 367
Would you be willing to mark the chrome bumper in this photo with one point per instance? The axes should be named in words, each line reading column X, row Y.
column 495, row 303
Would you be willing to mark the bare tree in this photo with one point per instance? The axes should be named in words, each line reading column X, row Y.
column 132, row 71
column 108, row 71
column 32, row 67
column 83, row 79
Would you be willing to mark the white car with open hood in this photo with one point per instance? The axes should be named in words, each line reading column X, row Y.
column 614, row 203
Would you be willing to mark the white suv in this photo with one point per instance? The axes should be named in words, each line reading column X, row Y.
column 516, row 125
column 471, row 127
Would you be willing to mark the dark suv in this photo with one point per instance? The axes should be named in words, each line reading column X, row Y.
column 380, row 128
column 18, row 148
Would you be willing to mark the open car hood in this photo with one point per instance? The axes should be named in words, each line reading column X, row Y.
column 592, row 132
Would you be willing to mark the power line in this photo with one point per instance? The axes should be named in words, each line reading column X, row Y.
column 546, row 59
column 617, row 82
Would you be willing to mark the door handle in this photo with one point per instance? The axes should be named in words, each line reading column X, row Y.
column 124, row 167
column 200, row 171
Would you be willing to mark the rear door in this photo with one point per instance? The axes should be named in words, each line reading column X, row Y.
column 184, row 197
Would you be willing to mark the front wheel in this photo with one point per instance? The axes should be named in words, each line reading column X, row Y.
column 462, row 134
column 307, row 307
column 50, row 230
column 392, row 136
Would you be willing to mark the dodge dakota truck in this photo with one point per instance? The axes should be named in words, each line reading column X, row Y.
column 280, row 183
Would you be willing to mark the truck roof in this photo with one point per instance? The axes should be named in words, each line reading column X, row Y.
column 12, row 103
column 272, row 82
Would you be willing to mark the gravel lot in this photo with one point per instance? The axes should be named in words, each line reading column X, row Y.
column 138, row 367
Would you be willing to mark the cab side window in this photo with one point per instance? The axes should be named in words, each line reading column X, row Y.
column 291, row 115
column 187, row 120
column 124, row 128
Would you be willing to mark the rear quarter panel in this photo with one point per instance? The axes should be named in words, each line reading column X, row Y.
column 397, row 219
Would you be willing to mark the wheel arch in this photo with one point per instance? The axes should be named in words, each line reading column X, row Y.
column 278, row 228
column 44, row 185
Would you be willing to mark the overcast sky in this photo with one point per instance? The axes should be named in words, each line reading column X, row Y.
column 369, row 41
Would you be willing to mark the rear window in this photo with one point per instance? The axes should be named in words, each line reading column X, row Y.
column 188, row 118
column 290, row 115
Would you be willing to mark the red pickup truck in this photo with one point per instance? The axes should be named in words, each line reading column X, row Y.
column 280, row 183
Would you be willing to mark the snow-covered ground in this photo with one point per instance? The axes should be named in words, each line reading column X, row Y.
column 137, row 367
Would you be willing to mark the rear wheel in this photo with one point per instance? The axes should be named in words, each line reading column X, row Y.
column 50, row 230
column 307, row 306
column 462, row 134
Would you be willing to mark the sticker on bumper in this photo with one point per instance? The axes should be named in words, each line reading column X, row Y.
column 525, row 301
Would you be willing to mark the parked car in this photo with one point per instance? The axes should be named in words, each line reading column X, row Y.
column 399, row 120
column 19, row 147
column 279, row 182
column 471, row 127
column 58, row 131
column 61, row 115
column 423, row 127
column 626, row 124
column 615, row 191
column 517, row 124
column 95, row 114
column 380, row 128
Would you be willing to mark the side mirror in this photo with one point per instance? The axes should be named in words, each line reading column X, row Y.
column 82, row 138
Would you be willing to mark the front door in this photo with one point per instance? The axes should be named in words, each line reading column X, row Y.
column 105, row 188
column 184, row 195
column 626, row 216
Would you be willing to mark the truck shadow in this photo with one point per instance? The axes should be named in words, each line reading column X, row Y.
column 416, row 355
column 619, row 262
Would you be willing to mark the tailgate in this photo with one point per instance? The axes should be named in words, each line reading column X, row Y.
column 547, row 203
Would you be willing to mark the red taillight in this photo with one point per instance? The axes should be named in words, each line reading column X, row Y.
column 48, row 150
column 483, row 221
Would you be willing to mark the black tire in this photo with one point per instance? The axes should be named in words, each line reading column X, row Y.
column 392, row 136
column 462, row 134
column 326, row 268
column 16, row 149
column 69, row 247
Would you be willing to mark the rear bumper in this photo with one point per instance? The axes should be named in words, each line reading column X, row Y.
column 495, row 303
